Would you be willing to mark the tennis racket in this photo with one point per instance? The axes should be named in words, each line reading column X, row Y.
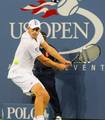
column 87, row 54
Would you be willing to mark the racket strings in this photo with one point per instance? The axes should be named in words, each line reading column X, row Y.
column 88, row 54
column 84, row 56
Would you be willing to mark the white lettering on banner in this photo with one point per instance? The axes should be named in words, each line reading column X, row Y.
column 19, row 113
column 102, row 67
column 75, row 67
column 68, row 30
column 93, row 67
column 84, row 67
column 84, row 33
column 89, row 67
column 13, row 30
column 11, row 110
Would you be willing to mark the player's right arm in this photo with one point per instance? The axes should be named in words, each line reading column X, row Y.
column 49, row 63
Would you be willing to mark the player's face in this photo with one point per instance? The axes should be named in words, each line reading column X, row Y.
column 34, row 32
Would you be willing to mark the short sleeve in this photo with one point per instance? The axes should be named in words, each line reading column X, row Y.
column 34, row 50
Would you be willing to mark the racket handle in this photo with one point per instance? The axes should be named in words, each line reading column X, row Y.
column 74, row 61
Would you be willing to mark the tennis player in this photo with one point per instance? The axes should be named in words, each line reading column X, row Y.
column 21, row 69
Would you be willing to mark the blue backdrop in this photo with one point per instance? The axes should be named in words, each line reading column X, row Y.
column 81, row 89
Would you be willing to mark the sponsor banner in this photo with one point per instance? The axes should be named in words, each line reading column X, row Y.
column 12, row 111
column 18, row 111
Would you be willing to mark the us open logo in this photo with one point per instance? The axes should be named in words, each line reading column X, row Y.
column 65, row 22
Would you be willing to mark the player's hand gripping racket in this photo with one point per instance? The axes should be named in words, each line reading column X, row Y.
column 88, row 54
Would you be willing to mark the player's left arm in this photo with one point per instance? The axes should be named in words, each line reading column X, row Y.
column 52, row 51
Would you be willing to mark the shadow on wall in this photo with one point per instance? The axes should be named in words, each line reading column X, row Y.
column 71, row 90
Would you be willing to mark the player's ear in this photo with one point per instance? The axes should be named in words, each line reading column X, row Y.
column 27, row 27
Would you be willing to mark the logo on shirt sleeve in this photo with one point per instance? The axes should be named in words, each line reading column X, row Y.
column 37, row 49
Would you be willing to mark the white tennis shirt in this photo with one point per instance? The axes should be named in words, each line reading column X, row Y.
column 27, row 52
